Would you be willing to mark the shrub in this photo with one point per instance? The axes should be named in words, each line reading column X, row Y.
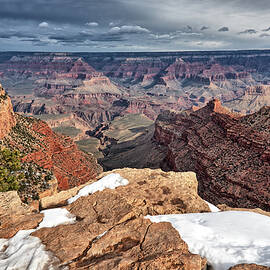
column 10, row 166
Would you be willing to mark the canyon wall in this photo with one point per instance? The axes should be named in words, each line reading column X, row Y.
column 38, row 144
column 229, row 152
column 7, row 117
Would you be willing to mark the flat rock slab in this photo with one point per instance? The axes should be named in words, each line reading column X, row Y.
column 112, row 233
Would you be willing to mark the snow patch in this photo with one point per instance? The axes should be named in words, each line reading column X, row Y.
column 24, row 251
column 224, row 238
column 110, row 181
column 212, row 207
column 55, row 217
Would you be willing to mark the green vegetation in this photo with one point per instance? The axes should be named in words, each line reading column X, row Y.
column 10, row 166
column 67, row 131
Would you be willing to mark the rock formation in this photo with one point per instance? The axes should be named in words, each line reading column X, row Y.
column 111, row 232
column 7, row 117
column 59, row 154
column 229, row 153
column 45, row 151
column 149, row 82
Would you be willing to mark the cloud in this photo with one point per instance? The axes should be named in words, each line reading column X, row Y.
column 94, row 24
column 204, row 28
column 189, row 28
column 184, row 25
column 128, row 29
column 264, row 35
column 266, row 30
column 224, row 29
column 43, row 25
column 16, row 34
column 248, row 31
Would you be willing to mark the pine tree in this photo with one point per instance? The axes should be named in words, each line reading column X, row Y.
column 10, row 166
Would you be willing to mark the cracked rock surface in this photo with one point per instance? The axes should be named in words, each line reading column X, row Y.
column 112, row 233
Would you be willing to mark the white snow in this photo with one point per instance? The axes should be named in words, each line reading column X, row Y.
column 224, row 238
column 24, row 251
column 110, row 181
column 212, row 207
column 55, row 217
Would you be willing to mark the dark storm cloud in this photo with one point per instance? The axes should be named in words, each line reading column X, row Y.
column 64, row 11
column 204, row 28
column 10, row 34
column 248, row 31
column 77, row 38
column 266, row 30
column 84, row 37
column 223, row 29
column 264, row 35
column 134, row 24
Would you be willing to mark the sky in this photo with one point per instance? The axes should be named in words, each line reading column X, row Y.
column 133, row 25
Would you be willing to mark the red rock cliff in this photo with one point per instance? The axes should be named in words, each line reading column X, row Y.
column 7, row 118
column 60, row 154
column 40, row 145
column 229, row 153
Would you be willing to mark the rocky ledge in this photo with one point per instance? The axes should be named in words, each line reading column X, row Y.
column 108, row 228
column 111, row 232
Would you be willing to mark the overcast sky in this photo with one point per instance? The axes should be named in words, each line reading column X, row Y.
column 134, row 25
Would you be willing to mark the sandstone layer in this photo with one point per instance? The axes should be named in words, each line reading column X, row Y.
column 111, row 232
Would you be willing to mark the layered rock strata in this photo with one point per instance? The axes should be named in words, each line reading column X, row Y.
column 229, row 153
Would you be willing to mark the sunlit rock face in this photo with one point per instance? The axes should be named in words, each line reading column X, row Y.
column 7, row 117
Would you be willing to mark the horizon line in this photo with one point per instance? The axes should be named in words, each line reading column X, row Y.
column 163, row 51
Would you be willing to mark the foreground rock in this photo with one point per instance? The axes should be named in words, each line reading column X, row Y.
column 229, row 153
column 111, row 232
column 15, row 215
column 11, row 204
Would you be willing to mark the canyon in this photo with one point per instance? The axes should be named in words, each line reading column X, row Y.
column 77, row 93
column 87, row 222
column 98, row 99
column 120, row 83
